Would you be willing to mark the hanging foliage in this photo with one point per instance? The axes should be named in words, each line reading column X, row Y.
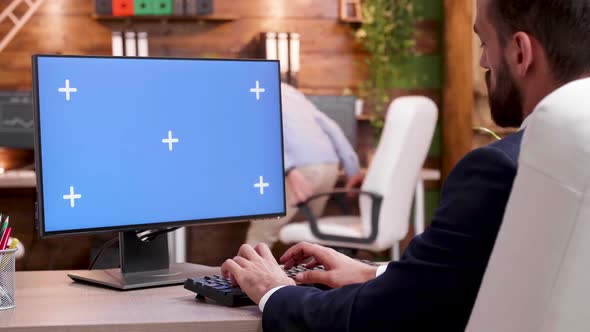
column 387, row 33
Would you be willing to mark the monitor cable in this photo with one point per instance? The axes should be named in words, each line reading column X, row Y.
column 145, row 236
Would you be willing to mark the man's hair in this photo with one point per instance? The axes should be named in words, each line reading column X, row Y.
column 561, row 26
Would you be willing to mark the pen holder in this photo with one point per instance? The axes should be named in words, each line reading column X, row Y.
column 7, row 278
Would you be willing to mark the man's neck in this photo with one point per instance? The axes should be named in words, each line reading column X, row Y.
column 541, row 91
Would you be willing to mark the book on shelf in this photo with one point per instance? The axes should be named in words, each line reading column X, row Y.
column 117, row 43
column 285, row 47
column 130, row 44
column 142, row 44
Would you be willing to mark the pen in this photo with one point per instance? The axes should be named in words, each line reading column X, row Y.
column 3, row 226
column 5, row 236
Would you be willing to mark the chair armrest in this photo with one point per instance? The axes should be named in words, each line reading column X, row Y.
column 376, row 200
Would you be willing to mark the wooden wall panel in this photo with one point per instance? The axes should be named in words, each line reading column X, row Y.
column 332, row 62
column 67, row 27
column 458, row 103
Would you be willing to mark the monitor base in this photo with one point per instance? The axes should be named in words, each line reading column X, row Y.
column 113, row 278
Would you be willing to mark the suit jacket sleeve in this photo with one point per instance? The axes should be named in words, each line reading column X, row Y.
column 434, row 285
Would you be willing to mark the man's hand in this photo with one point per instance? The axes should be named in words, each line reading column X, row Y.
column 300, row 186
column 256, row 271
column 341, row 270
column 355, row 181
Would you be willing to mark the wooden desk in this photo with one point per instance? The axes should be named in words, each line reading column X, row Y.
column 50, row 301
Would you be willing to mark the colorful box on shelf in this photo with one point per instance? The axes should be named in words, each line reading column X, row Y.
column 103, row 7
column 199, row 7
column 123, row 8
column 162, row 7
column 153, row 7
column 143, row 7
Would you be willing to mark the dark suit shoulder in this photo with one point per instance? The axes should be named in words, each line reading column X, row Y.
column 509, row 145
column 486, row 162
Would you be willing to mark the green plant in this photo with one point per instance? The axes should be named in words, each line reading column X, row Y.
column 387, row 33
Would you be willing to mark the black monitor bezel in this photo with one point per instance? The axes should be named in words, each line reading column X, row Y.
column 176, row 223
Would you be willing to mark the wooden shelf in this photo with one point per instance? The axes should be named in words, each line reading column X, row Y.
column 351, row 20
column 363, row 117
column 173, row 18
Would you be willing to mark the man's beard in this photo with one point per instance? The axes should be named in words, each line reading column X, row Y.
column 506, row 99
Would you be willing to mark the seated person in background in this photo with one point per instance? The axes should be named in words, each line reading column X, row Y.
column 314, row 148
column 530, row 48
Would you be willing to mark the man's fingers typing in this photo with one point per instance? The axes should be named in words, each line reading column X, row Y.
column 248, row 252
column 304, row 250
column 313, row 263
column 264, row 251
column 314, row 277
column 241, row 261
column 231, row 269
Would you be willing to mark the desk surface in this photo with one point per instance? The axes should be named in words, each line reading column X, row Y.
column 50, row 301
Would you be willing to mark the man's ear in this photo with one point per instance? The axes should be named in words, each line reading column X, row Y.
column 521, row 54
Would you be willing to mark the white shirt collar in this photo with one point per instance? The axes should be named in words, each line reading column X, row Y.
column 585, row 80
column 525, row 122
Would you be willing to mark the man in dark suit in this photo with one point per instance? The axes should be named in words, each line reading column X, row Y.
column 530, row 48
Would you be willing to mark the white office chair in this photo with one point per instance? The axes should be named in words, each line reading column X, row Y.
column 386, row 194
column 538, row 276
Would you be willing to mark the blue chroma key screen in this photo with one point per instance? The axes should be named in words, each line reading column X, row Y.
column 130, row 141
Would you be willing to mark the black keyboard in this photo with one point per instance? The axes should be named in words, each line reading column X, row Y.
column 220, row 289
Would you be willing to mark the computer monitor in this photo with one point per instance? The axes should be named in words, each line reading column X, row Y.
column 130, row 144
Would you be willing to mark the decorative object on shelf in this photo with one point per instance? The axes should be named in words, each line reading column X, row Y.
column 152, row 7
column 199, row 7
column 130, row 43
column 268, row 42
column 351, row 11
column 387, row 33
column 294, row 62
column 143, row 7
column 117, row 43
column 103, row 7
column 160, row 9
column 123, row 7
column 285, row 47
column 178, row 7
column 142, row 44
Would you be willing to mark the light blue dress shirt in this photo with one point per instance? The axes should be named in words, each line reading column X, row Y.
column 311, row 137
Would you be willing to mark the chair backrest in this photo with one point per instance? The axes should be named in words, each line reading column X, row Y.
column 341, row 109
column 538, row 276
column 394, row 170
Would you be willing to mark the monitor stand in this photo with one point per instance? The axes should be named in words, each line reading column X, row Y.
column 143, row 264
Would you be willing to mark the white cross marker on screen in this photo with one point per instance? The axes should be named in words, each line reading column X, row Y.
column 170, row 140
column 67, row 90
column 258, row 90
column 72, row 197
column 261, row 185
